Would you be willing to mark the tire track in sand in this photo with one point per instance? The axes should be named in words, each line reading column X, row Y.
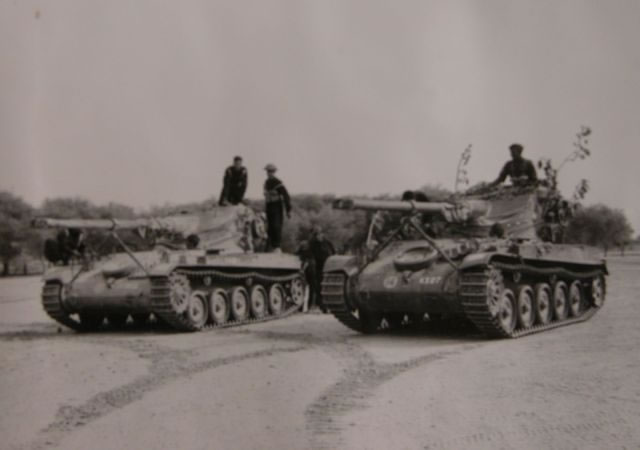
column 166, row 365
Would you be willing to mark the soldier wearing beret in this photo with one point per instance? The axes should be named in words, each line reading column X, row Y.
column 320, row 249
column 277, row 203
column 520, row 170
column 235, row 183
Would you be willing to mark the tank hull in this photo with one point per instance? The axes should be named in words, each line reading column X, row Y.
column 408, row 280
column 175, row 287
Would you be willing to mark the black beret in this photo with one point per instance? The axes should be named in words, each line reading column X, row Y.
column 516, row 148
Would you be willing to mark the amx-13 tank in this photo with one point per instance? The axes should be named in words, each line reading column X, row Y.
column 477, row 256
column 199, row 271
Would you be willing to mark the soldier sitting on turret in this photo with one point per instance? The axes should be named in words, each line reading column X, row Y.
column 521, row 171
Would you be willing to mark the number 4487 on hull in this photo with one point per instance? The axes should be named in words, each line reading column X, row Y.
column 478, row 256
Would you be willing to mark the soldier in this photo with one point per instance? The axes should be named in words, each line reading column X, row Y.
column 320, row 249
column 277, row 203
column 235, row 183
column 520, row 170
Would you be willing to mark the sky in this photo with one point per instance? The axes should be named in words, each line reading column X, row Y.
column 147, row 102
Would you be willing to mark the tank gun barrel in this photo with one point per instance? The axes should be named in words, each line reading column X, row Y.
column 95, row 224
column 452, row 212
column 390, row 205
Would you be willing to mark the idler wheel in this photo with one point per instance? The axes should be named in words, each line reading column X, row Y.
column 597, row 292
column 560, row 300
column 117, row 320
column 543, row 304
column 495, row 289
column 219, row 306
column 276, row 299
column 526, row 302
column 198, row 310
column 258, row 301
column 298, row 291
column 180, row 292
column 507, row 311
column 575, row 299
column 239, row 303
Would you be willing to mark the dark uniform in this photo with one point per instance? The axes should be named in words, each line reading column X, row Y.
column 516, row 169
column 68, row 243
column 277, row 203
column 320, row 250
column 234, row 185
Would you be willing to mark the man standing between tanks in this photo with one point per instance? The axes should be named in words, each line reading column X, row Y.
column 277, row 203
column 235, row 183
column 520, row 170
column 320, row 249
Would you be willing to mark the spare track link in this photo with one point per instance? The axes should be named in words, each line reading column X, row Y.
column 333, row 297
column 162, row 307
column 473, row 291
column 53, row 308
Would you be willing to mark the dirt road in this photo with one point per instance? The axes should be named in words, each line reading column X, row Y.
column 308, row 382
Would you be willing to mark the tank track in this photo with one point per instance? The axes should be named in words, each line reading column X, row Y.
column 161, row 303
column 474, row 292
column 52, row 306
column 333, row 298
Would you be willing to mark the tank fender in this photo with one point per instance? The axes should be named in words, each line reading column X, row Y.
column 59, row 274
column 341, row 263
column 476, row 259
column 162, row 270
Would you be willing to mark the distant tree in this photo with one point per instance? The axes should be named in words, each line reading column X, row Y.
column 601, row 226
column 69, row 208
column 15, row 231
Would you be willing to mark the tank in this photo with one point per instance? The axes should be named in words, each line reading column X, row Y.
column 478, row 256
column 196, row 271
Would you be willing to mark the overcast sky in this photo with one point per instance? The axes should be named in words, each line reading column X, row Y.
column 147, row 101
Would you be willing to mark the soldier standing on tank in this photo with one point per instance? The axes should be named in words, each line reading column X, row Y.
column 277, row 204
column 235, row 183
column 520, row 170
column 320, row 249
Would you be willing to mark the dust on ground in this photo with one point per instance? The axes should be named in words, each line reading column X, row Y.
column 308, row 382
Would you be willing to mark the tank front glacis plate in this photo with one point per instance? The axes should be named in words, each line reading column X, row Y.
column 383, row 285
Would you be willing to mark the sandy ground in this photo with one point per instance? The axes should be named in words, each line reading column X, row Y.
column 308, row 382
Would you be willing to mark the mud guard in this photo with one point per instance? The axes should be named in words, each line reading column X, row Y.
column 341, row 263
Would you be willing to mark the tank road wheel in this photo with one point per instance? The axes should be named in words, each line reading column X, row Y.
column 560, row 300
column 298, row 292
column 507, row 311
column 543, row 304
column 597, row 292
column 258, row 301
column 117, row 321
column 276, row 299
column 525, row 313
column 219, row 306
column 495, row 289
column 91, row 321
column 239, row 303
column 198, row 310
column 575, row 299
column 180, row 292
